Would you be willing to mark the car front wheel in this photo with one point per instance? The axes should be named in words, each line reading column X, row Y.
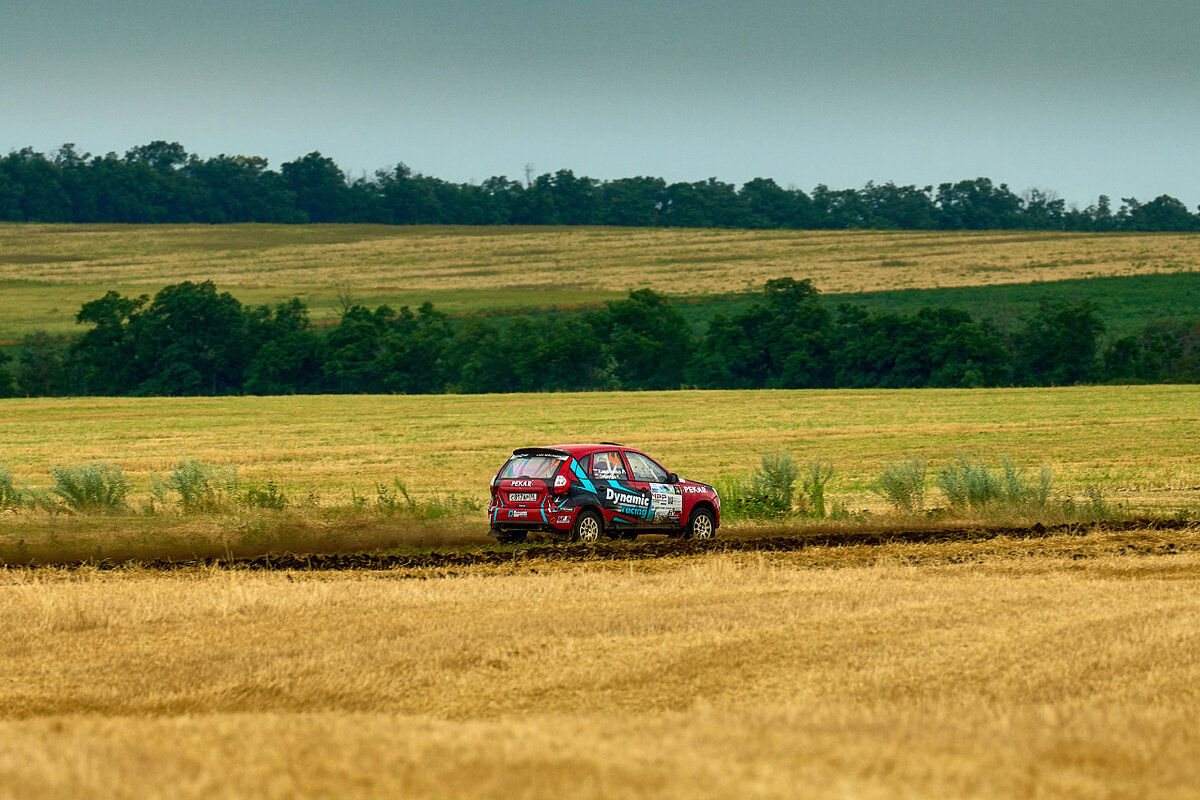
column 701, row 525
column 588, row 528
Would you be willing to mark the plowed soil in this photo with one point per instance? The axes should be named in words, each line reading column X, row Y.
column 1073, row 540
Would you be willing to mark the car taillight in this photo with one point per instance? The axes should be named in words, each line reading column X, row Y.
column 560, row 484
column 495, row 483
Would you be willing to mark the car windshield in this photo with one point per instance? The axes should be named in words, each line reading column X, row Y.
column 531, row 467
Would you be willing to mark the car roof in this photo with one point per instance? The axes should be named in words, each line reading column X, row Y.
column 577, row 449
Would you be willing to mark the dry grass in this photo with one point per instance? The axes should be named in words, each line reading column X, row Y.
column 711, row 677
column 49, row 270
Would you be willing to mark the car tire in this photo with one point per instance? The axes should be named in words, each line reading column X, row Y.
column 588, row 528
column 701, row 525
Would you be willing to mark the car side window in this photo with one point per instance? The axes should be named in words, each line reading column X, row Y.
column 645, row 470
column 608, row 466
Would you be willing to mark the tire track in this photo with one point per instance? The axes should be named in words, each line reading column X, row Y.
column 767, row 542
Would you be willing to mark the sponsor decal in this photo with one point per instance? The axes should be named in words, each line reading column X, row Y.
column 667, row 501
column 521, row 483
column 522, row 497
column 695, row 489
column 627, row 499
column 563, row 520
column 512, row 514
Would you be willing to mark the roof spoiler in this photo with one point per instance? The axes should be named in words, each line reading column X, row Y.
column 540, row 451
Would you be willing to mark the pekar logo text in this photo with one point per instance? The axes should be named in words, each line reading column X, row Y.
column 627, row 499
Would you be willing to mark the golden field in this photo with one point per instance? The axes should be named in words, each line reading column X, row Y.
column 1055, row 668
column 48, row 271
column 1134, row 442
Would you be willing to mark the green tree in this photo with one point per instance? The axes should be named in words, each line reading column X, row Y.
column 106, row 356
column 1058, row 345
column 6, row 381
column 977, row 205
column 649, row 339
column 41, row 368
column 319, row 186
column 1163, row 213
column 286, row 351
column 192, row 341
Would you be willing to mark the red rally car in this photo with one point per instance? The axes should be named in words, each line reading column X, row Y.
column 584, row 491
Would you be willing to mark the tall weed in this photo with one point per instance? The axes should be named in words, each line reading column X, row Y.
column 975, row 485
column 10, row 496
column 268, row 495
column 201, row 487
column 902, row 484
column 95, row 486
column 395, row 499
column 767, row 493
column 819, row 473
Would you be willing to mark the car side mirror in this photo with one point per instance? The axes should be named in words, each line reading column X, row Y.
column 672, row 477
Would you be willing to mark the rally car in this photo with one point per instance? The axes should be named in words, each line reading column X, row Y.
column 582, row 492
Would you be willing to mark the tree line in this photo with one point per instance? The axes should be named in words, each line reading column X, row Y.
column 190, row 339
column 161, row 182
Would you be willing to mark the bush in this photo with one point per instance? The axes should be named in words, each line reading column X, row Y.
column 974, row 485
column 902, row 483
column 201, row 487
column 90, row 487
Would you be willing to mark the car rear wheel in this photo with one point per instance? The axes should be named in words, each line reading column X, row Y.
column 588, row 528
column 701, row 525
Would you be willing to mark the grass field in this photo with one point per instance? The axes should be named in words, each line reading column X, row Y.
column 1137, row 445
column 48, row 271
column 1016, row 669
column 1140, row 441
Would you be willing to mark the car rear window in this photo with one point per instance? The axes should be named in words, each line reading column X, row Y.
column 531, row 467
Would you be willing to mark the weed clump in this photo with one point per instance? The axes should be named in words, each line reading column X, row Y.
column 902, row 483
column 395, row 499
column 95, row 486
column 767, row 493
column 269, row 496
column 975, row 485
column 819, row 473
column 201, row 487
column 10, row 496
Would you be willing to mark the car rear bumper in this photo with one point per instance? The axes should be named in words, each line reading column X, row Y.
column 543, row 518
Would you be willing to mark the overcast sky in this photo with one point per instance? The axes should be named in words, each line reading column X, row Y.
column 1081, row 97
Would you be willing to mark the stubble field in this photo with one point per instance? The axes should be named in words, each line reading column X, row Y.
column 1015, row 670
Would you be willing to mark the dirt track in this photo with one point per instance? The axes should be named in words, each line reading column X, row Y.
column 1145, row 537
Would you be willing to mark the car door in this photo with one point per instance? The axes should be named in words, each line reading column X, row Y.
column 649, row 479
column 623, row 504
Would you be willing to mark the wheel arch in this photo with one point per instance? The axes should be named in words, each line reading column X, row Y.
column 708, row 506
